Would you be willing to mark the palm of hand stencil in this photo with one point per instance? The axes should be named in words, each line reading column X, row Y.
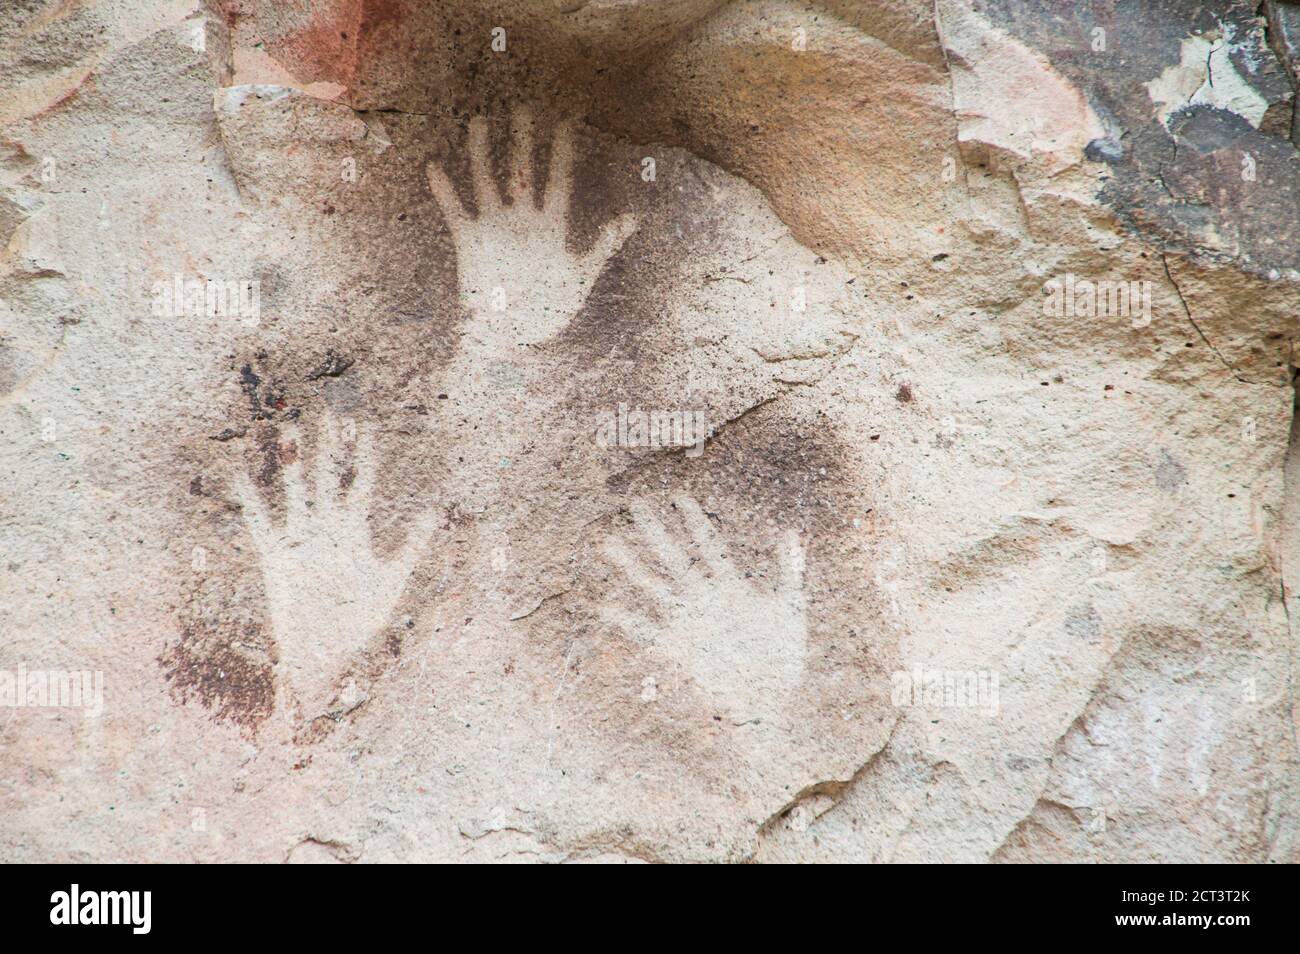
column 328, row 592
column 742, row 641
column 517, row 277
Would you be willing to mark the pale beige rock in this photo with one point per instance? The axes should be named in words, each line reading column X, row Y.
column 367, row 578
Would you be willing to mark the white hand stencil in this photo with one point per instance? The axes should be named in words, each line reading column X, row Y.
column 329, row 592
column 517, row 277
column 743, row 641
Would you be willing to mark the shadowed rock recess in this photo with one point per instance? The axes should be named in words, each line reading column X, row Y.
column 689, row 430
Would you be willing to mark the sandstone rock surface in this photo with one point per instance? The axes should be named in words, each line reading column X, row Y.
column 855, row 430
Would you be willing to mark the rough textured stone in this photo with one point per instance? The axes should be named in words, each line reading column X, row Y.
column 375, row 568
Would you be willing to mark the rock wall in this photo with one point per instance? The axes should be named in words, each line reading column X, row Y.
column 694, row 430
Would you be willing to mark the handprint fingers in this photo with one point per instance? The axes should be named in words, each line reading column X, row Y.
column 328, row 590
column 521, row 156
column 636, row 571
column 702, row 533
column 612, row 237
column 480, row 166
column 636, row 626
column 418, row 536
column 744, row 646
column 445, row 193
column 296, row 502
column 793, row 561
column 517, row 277
column 559, row 182
column 363, row 480
column 255, row 515
column 656, row 537
column 330, row 466
column 316, row 495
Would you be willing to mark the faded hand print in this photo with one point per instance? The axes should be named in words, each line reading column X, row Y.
column 741, row 637
column 520, row 284
column 329, row 592
column 518, row 278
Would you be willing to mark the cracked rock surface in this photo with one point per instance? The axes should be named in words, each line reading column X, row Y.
column 693, row 430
